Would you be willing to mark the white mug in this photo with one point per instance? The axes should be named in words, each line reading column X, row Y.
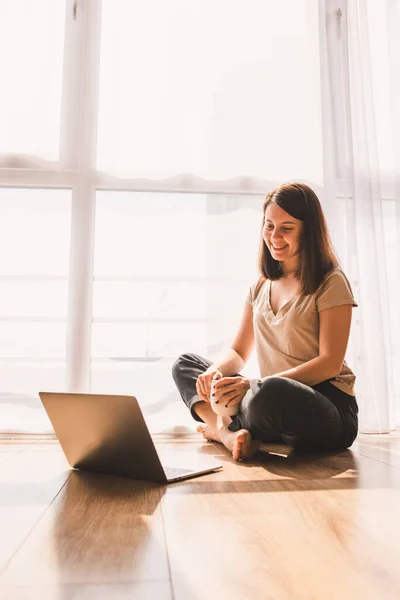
column 220, row 408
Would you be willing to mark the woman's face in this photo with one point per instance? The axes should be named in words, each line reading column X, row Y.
column 282, row 233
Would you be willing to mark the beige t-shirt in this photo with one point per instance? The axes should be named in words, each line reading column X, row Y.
column 291, row 337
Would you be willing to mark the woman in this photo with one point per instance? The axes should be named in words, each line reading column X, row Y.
column 298, row 316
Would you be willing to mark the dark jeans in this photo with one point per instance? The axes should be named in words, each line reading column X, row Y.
column 317, row 418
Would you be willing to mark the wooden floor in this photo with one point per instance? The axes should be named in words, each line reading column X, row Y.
column 283, row 526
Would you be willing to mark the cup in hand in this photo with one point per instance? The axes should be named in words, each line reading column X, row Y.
column 220, row 408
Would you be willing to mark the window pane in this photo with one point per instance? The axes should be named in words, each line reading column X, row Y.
column 20, row 407
column 185, row 259
column 33, row 298
column 34, row 232
column 146, row 340
column 158, row 235
column 218, row 89
column 146, row 299
column 34, row 257
column 32, row 340
column 31, row 60
column 149, row 234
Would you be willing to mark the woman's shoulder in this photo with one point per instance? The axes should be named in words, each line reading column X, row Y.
column 334, row 277
column 335, row 288
column 256, row 287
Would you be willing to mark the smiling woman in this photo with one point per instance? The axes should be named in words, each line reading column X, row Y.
column 298, row 316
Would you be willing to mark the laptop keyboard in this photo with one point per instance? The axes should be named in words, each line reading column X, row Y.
column 171, row 472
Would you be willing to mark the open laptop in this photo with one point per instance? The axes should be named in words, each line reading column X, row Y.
column 108, row 434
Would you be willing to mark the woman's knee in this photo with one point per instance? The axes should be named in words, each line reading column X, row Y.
column 278, row 386
column 189, row 365
column 271, row 390
column 271, row 401
column 180, row 363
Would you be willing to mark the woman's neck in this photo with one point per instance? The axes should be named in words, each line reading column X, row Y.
column 289, row 270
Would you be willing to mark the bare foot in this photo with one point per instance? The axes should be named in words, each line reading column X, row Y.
column 209, row 433
column 243, row 446
column 239, row 442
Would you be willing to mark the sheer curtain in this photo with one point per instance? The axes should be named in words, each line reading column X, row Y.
column 362, row 109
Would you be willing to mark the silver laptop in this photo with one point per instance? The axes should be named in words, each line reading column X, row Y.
column 108, row 434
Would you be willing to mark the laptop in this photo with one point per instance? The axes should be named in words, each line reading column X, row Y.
column 108, row 434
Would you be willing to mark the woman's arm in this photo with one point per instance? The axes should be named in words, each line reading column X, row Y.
column 334, row 331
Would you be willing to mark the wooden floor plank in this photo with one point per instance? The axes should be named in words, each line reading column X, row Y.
column 99, row 530
column 29, row 482
column 384, row 448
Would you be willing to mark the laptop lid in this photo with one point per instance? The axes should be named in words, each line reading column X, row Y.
column 104, row 433
column 108, row 434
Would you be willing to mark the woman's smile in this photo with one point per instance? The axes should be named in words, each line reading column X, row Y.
column 278, row 248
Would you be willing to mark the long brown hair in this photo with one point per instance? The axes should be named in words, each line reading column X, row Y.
column 317, row 256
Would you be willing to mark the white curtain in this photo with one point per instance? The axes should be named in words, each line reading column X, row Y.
column 362, row 117
column 203, row 107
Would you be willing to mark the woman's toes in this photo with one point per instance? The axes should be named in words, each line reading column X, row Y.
column 204, row 430
column 242, row 447
column 208, row 433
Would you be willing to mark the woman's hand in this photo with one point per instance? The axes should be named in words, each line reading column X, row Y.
column 231, row 390
column 203, row 383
